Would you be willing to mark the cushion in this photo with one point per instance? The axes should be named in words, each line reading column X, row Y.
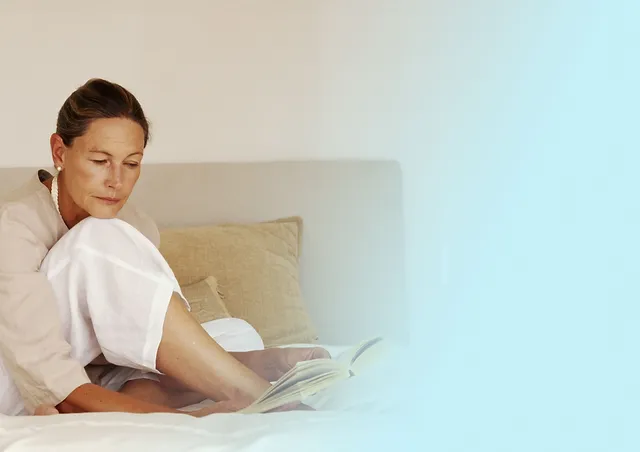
column 256, row 266
column 204, row 298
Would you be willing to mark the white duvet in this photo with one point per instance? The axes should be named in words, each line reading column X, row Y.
column 359, row 414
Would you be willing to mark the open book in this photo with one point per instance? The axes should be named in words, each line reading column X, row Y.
column 307, row 378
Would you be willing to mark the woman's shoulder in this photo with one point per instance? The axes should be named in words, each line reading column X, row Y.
column 29, row 191
column 24, row 204
column 26, row 233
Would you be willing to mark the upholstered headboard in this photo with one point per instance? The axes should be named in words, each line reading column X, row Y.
column 352, row 263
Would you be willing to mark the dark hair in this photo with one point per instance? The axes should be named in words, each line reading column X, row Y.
column 98, row 99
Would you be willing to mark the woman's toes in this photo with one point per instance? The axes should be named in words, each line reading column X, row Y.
column 295, row 355
column 320, row 353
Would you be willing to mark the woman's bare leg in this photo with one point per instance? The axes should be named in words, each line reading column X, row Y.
column 189, row 355
column 154, row 329
column 269, row 364
column 195, row 366
column 155, row 392
column 186, row 345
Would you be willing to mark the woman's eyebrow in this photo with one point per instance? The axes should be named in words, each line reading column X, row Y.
column 100, row 151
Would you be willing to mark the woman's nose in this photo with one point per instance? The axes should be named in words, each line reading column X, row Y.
column 115, row 177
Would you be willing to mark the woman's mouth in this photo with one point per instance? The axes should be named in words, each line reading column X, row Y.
column 109, row 201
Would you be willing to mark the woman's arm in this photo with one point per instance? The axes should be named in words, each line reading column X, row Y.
column 91, row 398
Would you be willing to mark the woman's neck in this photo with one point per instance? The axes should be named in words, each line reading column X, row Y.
column 70, row 212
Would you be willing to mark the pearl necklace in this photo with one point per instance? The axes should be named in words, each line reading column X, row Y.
column 54, row 194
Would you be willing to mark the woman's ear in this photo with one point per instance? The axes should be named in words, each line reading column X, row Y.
column 57, row 150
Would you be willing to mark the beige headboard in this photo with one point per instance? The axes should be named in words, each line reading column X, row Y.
column 352, row 257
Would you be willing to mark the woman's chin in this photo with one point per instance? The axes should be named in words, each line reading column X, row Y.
column 104, row 212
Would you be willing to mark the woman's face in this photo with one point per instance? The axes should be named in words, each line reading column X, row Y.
column 101, row 167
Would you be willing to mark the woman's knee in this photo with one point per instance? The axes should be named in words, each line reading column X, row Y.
column 110, row 238
column 104, row 234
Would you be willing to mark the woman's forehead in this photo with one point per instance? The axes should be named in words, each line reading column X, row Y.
column 114, row 136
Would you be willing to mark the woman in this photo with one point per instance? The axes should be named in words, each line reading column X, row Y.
column 91, row 316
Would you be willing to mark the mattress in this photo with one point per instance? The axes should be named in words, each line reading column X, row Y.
column 362, row 413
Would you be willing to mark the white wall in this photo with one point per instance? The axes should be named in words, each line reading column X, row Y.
column 225, row 81
column 515, row 123
column 239, row 80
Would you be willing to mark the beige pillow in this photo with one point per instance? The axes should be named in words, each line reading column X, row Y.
column 256, row 266
column 205, row 301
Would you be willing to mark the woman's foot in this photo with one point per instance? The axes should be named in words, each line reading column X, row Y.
column 273, row 363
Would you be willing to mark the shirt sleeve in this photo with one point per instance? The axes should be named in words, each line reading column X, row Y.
column 32, row 345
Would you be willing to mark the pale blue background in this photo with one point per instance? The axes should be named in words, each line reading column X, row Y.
column 528, row 271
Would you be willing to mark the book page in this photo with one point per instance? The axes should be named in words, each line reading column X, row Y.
column 297, row 392
column 309, row 377
column 358, row 353
column 305, row 370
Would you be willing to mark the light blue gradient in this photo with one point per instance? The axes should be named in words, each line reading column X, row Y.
column 529, row 197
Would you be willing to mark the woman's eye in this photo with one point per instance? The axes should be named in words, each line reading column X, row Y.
column 132, row 164
column 99, row 162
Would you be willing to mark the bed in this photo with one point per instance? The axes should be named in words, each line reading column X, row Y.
column 350, row 271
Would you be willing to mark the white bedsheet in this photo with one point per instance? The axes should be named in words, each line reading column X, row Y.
column 291, row 431
column 355, row 415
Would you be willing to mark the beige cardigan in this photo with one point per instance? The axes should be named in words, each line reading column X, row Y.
column 32, row 346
